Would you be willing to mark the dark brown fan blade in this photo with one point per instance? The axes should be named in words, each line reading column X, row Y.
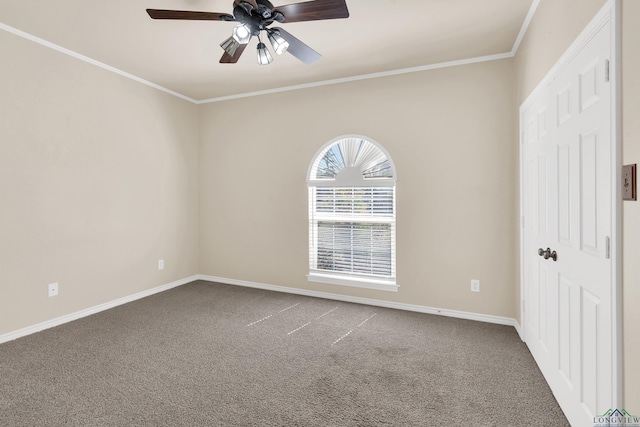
column 298, row 49
column 189, row 15
column 314, row 10
column 228, row 59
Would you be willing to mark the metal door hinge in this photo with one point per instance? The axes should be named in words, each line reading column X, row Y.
column 606, row 70
column 608, row 247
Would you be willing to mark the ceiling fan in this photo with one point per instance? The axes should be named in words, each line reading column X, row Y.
column 255, row 16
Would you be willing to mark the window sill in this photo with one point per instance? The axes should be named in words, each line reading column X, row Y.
column 356, row 282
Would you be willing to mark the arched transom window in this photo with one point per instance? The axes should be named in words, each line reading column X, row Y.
column 352, row 218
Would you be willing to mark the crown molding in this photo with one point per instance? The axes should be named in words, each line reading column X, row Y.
column 362, row 77
column 525, row 26
column 91, row 61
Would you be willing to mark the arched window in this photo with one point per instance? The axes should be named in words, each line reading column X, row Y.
column 352, row 215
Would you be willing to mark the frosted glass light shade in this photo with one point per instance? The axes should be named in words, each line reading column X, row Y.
column 279, row 44
column 230, row 45
column 242, row 34
column 264, row 57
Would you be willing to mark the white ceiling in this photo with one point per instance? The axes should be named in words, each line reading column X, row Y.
column 380, row 36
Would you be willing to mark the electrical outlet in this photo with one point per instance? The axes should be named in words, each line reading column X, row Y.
column 53, row 289
column 475, row 285
column 160, row 264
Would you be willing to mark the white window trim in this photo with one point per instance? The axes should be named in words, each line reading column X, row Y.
column 370, row 182
column 353, row 281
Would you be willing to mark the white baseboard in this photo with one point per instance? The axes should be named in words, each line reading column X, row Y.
column 518, row 329
column 92, row 310
column 378, row 303
column 346, row 298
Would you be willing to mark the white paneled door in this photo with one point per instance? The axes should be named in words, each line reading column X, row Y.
column 567, row 198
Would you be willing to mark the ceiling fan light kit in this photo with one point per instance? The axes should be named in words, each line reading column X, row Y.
column 255, row 16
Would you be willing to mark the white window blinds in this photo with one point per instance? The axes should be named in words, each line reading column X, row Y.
column 353, row 230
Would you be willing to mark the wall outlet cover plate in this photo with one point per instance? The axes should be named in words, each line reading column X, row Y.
column 53, row 289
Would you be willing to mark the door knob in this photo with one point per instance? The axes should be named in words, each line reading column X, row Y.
column 548, row 254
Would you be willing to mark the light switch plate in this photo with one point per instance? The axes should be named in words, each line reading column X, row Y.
column 629, row 191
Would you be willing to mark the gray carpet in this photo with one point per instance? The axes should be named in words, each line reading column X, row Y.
column 208, row 354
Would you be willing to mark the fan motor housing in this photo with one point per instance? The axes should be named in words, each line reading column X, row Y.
column 256, row 19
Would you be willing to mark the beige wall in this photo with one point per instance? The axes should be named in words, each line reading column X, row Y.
column 555, row 26
column 631, row 210
column 97, row 182
column 449, row 133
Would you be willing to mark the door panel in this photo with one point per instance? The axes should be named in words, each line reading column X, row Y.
column 542, row 193
column 588, row 193
column 564, row 194
column 590, row 305
column 564, row 328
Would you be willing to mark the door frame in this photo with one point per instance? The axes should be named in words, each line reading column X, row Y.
column 610, row 12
